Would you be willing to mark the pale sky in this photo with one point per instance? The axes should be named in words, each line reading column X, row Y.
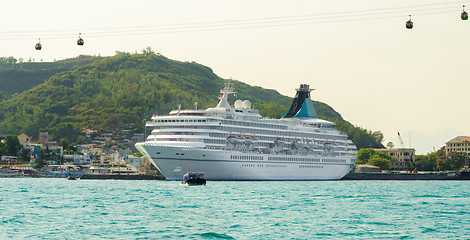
column 376, row 73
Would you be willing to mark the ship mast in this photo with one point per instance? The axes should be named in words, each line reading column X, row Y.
column 228, row 89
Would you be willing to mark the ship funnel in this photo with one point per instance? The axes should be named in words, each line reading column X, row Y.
column 302, row 106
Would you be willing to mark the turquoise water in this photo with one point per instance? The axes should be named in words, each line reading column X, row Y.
column 113, row 209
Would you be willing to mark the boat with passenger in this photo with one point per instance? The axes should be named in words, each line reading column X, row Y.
column 194, row 178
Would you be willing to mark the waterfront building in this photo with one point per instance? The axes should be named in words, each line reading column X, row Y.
column 402, row 158
column 51, row 152
column 9, row 159
column 112, row 164
column 133, row 161
column 78, row 159
column 460, row 144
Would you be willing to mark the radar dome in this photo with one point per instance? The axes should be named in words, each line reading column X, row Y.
column 238, row 104
column 246, row 104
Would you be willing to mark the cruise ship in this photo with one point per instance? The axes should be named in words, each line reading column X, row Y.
column 237, row 143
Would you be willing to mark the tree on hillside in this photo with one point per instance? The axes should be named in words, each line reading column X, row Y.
column 375, row 158
column 424, row 162
column 2, row 149
column 454, row 161
column 382, row 163
column 13, row 145
column 439, row 160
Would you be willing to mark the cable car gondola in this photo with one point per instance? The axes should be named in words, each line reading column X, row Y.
column 464, row 15
column 38, row 45
column 80, row 41
column 409, row 24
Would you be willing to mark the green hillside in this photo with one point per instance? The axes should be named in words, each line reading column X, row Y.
column 18, row 77
column 107, row 93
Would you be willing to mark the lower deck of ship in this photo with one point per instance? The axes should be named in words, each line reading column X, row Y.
column 174, row 162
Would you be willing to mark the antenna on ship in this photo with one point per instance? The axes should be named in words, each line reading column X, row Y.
column 225, row 92
column 179, row 109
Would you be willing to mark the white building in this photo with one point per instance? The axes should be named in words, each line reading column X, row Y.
column 460, row 144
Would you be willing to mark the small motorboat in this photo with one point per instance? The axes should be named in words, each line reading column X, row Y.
column 194, row 178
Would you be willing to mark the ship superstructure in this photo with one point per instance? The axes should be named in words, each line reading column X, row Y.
column 237, row 143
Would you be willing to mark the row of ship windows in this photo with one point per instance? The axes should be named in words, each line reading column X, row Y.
column 334, row 160
column 250, row 131
column 181, row 120
column 282, row 166
column 236, row 157
column 288, row 159
column 215, row 141
column 327, row 160
column 293, row 159
column 253, row 124
column 267, row 138
column 262, row 165
column 276, row 133
column 310, row 166
column 257, row 132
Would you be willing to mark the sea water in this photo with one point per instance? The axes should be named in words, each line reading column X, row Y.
column 118, row 209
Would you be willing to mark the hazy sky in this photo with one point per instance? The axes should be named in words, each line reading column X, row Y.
column 358, row 55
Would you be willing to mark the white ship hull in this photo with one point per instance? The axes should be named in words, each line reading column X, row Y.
column 174, row 162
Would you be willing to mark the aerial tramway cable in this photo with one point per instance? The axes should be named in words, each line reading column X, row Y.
column 319, row 18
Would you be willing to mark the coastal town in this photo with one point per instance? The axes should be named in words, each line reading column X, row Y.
column 110, row 155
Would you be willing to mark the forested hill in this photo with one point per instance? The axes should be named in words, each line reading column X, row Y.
column 17, row 77
column 106, row 93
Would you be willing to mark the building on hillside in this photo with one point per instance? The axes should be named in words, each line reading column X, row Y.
column 460, row 144
column 137, row 137
column 43, row 138
column 51, row 144
column 24, row 139
column 402, row 156
column 89, row 132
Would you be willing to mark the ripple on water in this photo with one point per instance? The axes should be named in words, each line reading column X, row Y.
column 213, row 235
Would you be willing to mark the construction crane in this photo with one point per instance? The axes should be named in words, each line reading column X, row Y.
column 402, row 145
